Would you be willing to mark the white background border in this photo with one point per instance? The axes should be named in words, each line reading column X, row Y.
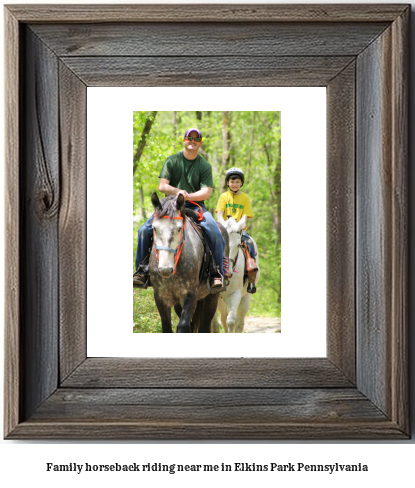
column 109, row 217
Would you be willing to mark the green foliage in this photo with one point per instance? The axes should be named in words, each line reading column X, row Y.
column 254, row 146
column 145, row 314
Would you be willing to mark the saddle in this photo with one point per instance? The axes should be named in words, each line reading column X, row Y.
column 209, row 267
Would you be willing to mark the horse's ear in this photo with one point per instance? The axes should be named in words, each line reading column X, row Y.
column 240, row 225
column 180, row 202
column 155, row 200
column 221, row 220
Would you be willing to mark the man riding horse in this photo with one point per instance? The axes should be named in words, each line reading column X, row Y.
column 189, row 174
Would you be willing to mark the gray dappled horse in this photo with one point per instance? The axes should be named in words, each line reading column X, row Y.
column 235, row 301
column 175, row 262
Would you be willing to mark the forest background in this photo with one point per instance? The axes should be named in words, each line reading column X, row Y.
column 248, row 140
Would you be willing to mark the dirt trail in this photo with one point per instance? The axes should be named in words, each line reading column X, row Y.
column 262, row 324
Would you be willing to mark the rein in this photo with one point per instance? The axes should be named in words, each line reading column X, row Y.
column 201, row 211
column 177, row 251
column 234, row 261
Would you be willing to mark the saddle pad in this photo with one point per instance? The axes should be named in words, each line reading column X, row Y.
column 207, row 254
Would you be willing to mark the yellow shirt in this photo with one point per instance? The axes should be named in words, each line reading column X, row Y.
column 234, row 205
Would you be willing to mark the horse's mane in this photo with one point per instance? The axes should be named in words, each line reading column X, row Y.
column 168, row 207
column 231, row 225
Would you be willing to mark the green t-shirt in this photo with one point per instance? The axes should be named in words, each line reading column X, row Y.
column 186, row 174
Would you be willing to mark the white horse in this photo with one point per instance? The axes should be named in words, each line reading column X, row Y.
column 234, row 302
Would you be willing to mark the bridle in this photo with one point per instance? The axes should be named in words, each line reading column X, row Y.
column 177, row 251
column 234, row 261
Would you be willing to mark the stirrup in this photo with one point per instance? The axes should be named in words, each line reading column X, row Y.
column 226, row 274
column 216, row 289
column 251, row 288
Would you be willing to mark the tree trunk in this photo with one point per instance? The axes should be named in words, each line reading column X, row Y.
column 273, row 198
column 174, row 122
column 143, row 212
column 277, row 185
column 226, row 138
column 142, row 144
column 251, row 143
column 174, row 128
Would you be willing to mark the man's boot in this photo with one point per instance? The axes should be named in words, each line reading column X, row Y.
column 141, row 278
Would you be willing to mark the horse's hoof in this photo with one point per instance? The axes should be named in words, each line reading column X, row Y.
column 184, row 330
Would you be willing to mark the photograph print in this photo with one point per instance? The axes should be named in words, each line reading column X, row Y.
column 207, row 221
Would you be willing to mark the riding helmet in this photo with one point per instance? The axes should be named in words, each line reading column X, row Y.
column 235, row 172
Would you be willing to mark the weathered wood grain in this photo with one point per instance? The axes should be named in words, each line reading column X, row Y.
column 220, row 13
column 206, row 373
column 382, row 223
column 197, row 39
column 285, row 399
column 13, row 381
column 373, row 222
column 210, row 405
column 341, row 235
column 400, row 232
column 72, row 222
column 207, row 71
column 250, row 429
column 40, row 200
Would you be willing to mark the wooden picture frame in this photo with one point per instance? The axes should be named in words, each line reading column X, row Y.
column 359, row 391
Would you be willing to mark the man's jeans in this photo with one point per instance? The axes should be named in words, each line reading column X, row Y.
column 217, row 242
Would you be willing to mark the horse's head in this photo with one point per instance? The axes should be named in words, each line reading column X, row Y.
column 168, row 225
column 234, row 229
